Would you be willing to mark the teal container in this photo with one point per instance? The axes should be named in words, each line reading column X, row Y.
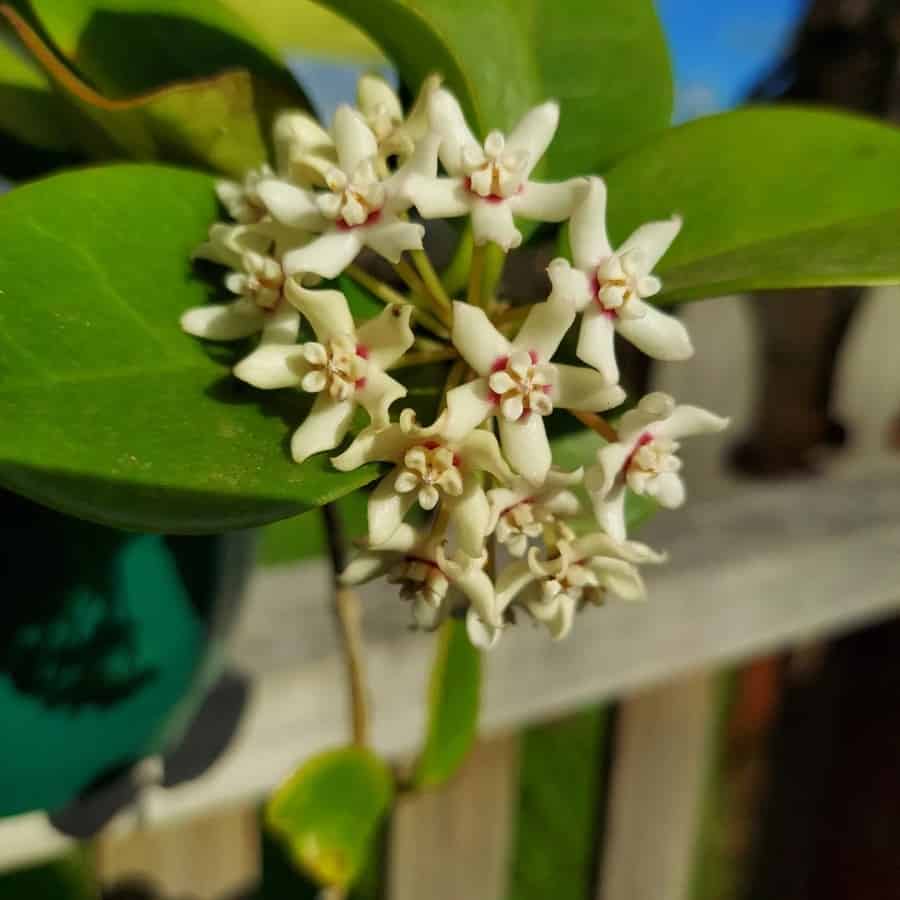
column 108, row 643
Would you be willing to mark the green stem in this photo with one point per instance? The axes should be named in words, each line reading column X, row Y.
column 476, row 273
column 456, row 275
column 432, row 282
column 424, row 358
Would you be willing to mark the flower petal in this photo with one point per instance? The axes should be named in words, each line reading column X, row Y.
column 291, row 205
column 327, row 311
column 372, row 92
column 652, row 409
column 378, row 393
column 272, row 366
column 391, row 238
column 619, row 577
column 478, row 587
column 587, row 228
column 525, row 444
column 600, row 479
column 469, row 517
column 596, row 343
column 512, row 580
column 668, row 490
column 534, row 132
column 492, row 222
column 657, row 334
column 553, row 202
column 579, row 388
column 328, row 255
column 438, row 198
column 688, row 420
column 481, row 453
column 568, row 284
column 482, row 635
column 479, row 343
column 281, row 326
column 417, row 174
column 353, row 138
column 447, row 120
column 544, row 328
column 609, row 510
column 467, row 407
column 651, row 241
column 387, row 508
column 560, row 623
column 223, row 321
column 388, row 336
column 374, row 444
column 303, row 148
column 325, row 426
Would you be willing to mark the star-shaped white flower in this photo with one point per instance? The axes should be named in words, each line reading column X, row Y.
column 360, row 207
column 241, row 199
column 644, row 458
column 430, row 579
column 582, row 571
column 610, row 287
column 432, row 470
column 491, row 182
column 522, row 512
column 519, row 384
column 345, row 367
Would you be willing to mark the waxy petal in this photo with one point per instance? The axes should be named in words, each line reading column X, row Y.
column 596, row 343
column 544, row 328
column 525, row 444
column 447, row 120
column 481, row 453
column 609, row 511
column 657, row 334
column 668, row 490
column 291, row 205
column 377, row 395
column 388, row 336
column 327, row 311
column 328, row 255
column 534, row 132
column 479, row 589
column 325, row 426
column 223, row 321
column 553, row 202
column 479, row 343
column 689, row 420
column 482, row 635
column 568, row 284
column 374, row 444
column 600, row 478
column 353, row 138
column 415, row 178
column 492, row 222
column 281, row 326
column 587, row 228
column 438, row 198
column 391, row 238
column 272, row 366
column 512, row 580
column 584, row 389
column 303, row 148
column 651, row 241
column 651, row 410
column 469, row 517
column 387, row 508
column 372, row 92
column 467, row 407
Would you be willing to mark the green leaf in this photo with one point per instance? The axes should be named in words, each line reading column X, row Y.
column 329, row 810
column 608, row 65
column 221, row 122
column 126, row 47
column 771, row 198
column 110, row 413
column 454, row 698
column 461, row 40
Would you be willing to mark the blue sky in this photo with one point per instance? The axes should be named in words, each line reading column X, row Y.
column 719, row 48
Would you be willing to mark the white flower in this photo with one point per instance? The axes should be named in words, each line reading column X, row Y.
column 431, row 469
column 491, row 181
column 519, row 384
column 581, row 571
column 345, row 366
column 304, row 150
column 360, row 208
column 610, row 287
column 241, row 199
column 521, row 512
column 427, row 577
column 644, row 458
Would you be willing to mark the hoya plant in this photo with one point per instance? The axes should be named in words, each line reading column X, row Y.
column 218, row 311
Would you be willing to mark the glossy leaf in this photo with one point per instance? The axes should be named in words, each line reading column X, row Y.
column 454, row 697
column 608, row 65
column 110, row 413
column 212, row 123
column 329, row 810
column 771, row 198
column 124, row 47
column 481, row 48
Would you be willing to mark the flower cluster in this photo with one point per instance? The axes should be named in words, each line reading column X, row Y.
column 493, row 524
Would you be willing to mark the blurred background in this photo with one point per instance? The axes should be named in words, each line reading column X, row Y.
column 735, row 739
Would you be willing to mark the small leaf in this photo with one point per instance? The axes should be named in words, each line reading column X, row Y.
column 211, row 123
column 329, row 810
column 608, row 66
column 109, row 411
column 771, row 198
column 454, row 698
column 461, row 41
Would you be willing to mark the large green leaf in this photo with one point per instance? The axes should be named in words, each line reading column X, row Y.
column 221, row 122
column 126, row 47
column 453, row 697
column 329, row 810
column 110, row 412
column 481, row 48
column 771, row 198
column 607, row 63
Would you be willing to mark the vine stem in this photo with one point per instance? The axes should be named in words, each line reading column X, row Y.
column 596, row 423
column 432, row 282
column 348, row 616
column 476, row 271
